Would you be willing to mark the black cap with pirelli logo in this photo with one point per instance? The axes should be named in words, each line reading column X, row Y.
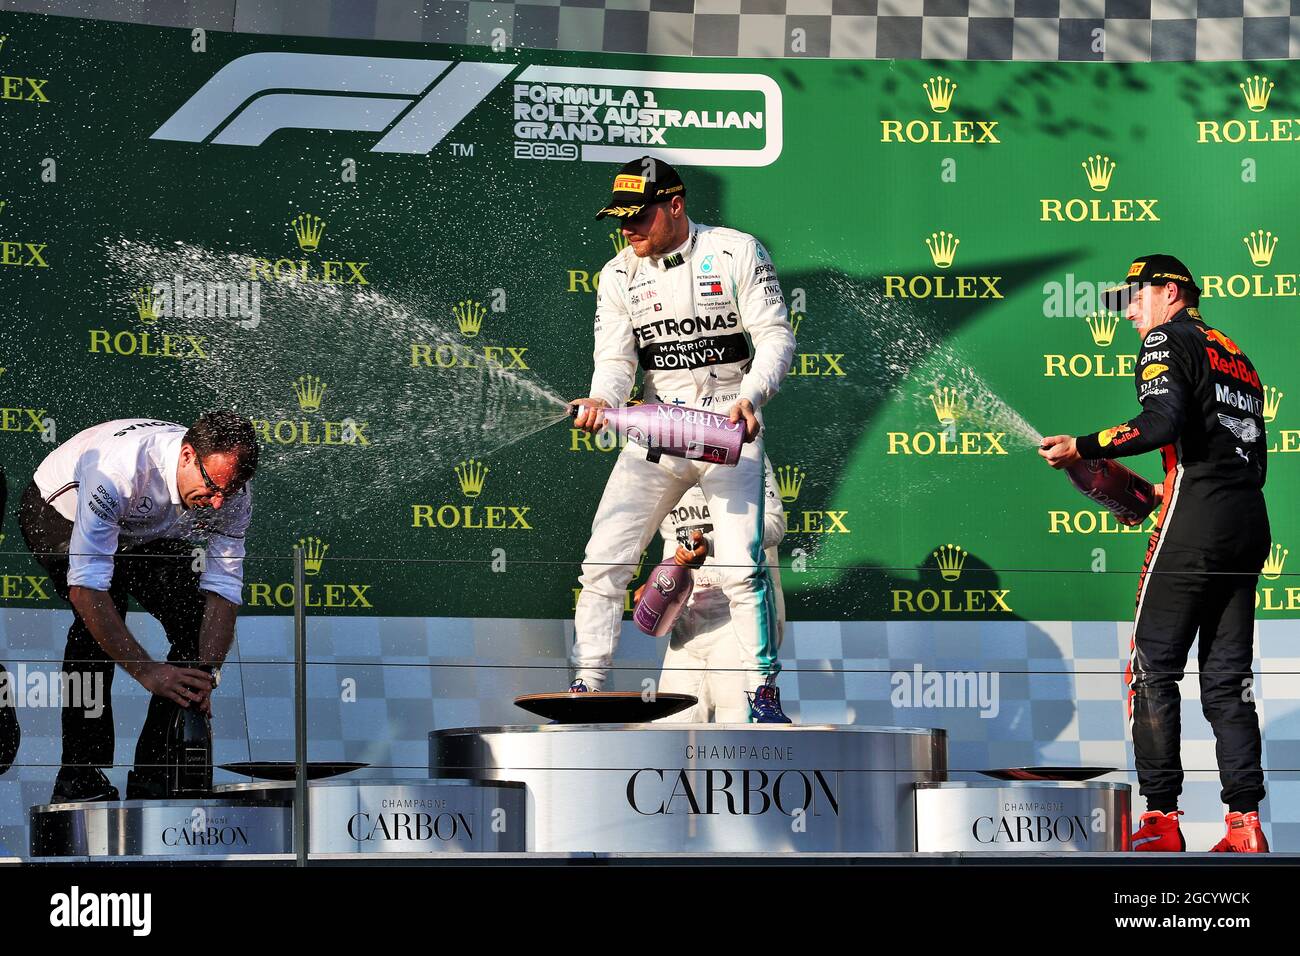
column 1155, row 269
column 641, row 183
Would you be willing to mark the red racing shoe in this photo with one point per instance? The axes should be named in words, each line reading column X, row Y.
column 1159, row 833
column 1245, row 835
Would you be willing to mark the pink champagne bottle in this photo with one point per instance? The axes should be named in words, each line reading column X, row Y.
column 691, row 433
column 666, row 593
column 1129, row 496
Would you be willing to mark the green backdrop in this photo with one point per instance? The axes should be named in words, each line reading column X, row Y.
column 844, row 169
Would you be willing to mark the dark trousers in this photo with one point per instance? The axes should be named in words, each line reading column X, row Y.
column 1182, row 597
column 160, row 576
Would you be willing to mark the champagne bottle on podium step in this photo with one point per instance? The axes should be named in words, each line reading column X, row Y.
column 189, row 753
column 690, row 433
column 1127, row 495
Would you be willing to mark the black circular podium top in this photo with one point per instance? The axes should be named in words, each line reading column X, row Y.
column 601, row 707
column 288, row 769
column 1047, row 773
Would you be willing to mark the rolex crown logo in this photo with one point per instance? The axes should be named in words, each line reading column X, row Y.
column 947, row 404
column 313, row 553
column 795, row 321
column 310, row 390
column 1099, row 169
column 1257, row 90
column 146, row 305
column 951, row 559
column 1272, row 399
column 789, row 482
column 942, row 246
column 1261, row 245
column 471, row 474
column 939, row 90
column 469, row 316
column 619, row 240
column 1273, row 563
column 1103, row 326
column 308, row 229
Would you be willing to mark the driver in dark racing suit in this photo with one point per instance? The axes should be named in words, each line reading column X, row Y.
column 1203, row 409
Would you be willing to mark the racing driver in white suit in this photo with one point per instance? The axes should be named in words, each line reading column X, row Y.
column 699, row 309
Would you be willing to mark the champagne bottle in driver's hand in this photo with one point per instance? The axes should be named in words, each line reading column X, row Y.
column 659, row 602
column 1127, row 495
column 665, row 594
column 690, row 433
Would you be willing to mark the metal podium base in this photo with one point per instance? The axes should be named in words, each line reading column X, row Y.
column 1014, row 817
column 347, row 818
column 362, row 817
column 716, row 788
column 202, row 829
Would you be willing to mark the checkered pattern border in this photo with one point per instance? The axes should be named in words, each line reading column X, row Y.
column 1113, row 30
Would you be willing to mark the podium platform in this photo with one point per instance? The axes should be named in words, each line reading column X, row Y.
column 347, row 818
column 212, row 828
column 1022, row 817
column 817, row 792
column 714, row 788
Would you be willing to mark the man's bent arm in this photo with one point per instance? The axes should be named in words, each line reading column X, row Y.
column 763, row 310
column 615, row 353
column 217, row 632
column 108, row 629
column 1163, row 383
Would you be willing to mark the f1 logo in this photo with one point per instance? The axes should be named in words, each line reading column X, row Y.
column 253, row 96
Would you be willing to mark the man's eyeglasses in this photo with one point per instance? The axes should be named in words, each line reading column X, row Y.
column 212, row 485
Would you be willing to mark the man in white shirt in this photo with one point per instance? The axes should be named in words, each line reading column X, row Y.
column 699, row 310
column 116, row 511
